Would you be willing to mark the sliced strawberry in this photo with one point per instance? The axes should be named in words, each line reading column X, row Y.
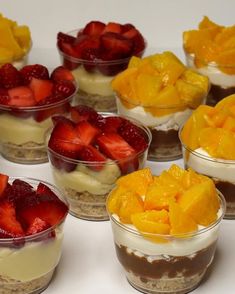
column 42, row 189
column 138, row 40
column 21, row 96
column 38, row 225
column 45, row 207
column 65, row 38
column 9, row 225
column 4, row 97
column 86, row 132
column 64, row 130
column 41, row 88
column 133, row 135
column 126, row 27
column 91, row 55
column 115, row 147
column 92, row 155
column 68, row 49
column 94, row 28
column 111, row 124
column 112, row 27
column 62, row 73
column 37, row 71
column 65, row 88
column 60, row 118
column 3, row 183
column 10, row 77
column 83, row 112
column 83, row 43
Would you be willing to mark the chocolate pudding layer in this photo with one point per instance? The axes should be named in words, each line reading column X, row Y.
column 164, row 273
column 217, row 93
column 228, row 190
column 165, row 145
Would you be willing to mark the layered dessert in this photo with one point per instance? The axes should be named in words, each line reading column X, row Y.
column 95, row 54
column 210, row 51
column 165, row 228
column 15, row 42
column 31, row 234
column 208, row 139
column 161, row 93
column 89, row 152
column 28, row 99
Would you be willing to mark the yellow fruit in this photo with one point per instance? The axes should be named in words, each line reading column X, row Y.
column 137, row 181
column 22, row 35
column 229, row 124
column 134, row 62
column 166, row 179
column 196, row 79
column 224, row 35
column 226, row 61
column 206, row 23
column 6, row 55
column 201, row 202
column 226, row 103
column 176, row 172
column 180, row 221
column 191, row 178
column 169, row 66
column 209, row 139
column 226, row 145
column 115, row 198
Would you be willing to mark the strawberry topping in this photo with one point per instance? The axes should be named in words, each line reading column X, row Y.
column 10, row 77
column 37, row 71
column 94, row 28
column 21, row 96
column 3, row 183
column 65, row 88
column 38, row 225
column 61, row 74
column 41, row 88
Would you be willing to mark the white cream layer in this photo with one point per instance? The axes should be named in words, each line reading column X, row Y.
column 212, row 167
column 19, row 130
column 164, row 123
column 215, row 75
column 85, row 179
column 177, row 247
column 93, row 83
column 32, row 261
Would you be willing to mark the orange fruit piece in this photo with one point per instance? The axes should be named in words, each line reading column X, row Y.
column 226, row 104
column 180, row 221
column 176, row 172
column 229, row 123
column 226, row 145
column 206, row 23
column 209, row 139
column 191, row 178
column 196, row 79
column 226, row 61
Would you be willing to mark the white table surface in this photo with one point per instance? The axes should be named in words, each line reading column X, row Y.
column 89, row 264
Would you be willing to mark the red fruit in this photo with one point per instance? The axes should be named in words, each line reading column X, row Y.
column 86, row 132
column 126, row 27
column 49, row 100
column 91, row 154
column 4, row 97
column 62, row 73
column 9, row 225
column 41, row 88
column 65, row 88
column 138, row 40
column 45, row 207
column 60, row 118
column 84, row 43
column 113, row 27
column 3, row 183
column 111, row 124
column 10, row 77
column 133, row 135
column 94, row 28
column 38, row 225
column 83, row 112
column 37, row 71
column 91, row 55
column 68, row 49
column 65, row 131
column 42, row 189
column 65, row 38
column 21, row 96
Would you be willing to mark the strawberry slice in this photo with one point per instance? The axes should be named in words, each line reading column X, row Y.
column 37, row 71
column 62, row 37
column 112, row 27
column 45, row 207
column 21, row 96
column 133, row 136
column 64, row 88
column 41, row 88
column 86, row 132
column 138, row 40
column 42, row 189
column 94, row 28
column 38, row 225
column 10, row 77
column 91, row 154
column 83, row 112
column 9, row 225
column 4, row 97
column 91, row 55
column 60, row 118
column 115, row 147
column 61, row 73
column 69, row 50
column 111, row 124
column 126, row 27
column 65, row 131
column 3, row 183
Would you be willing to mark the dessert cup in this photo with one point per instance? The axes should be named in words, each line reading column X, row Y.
column 27, row 263
column 87, row 184
column 23, row 130
column 220, row 170
column 163, row 122
column 222, row 83
column 94, row 79
column 155, row 263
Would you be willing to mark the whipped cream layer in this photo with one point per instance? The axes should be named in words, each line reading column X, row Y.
column 19, row 130
column 213, row 167
column 85, row 179
column 141, row 246
column 31, row 261
column 164, row 123
column 93, row 83
column 215, row 75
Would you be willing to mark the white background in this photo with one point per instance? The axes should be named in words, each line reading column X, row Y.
column 88, row 264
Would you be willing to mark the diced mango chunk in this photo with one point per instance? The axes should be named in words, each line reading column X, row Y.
column 176, row 172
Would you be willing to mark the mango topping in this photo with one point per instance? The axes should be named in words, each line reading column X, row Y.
column 174, row 203
column 161, row 84
column 213, row 129
column 212, row 43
